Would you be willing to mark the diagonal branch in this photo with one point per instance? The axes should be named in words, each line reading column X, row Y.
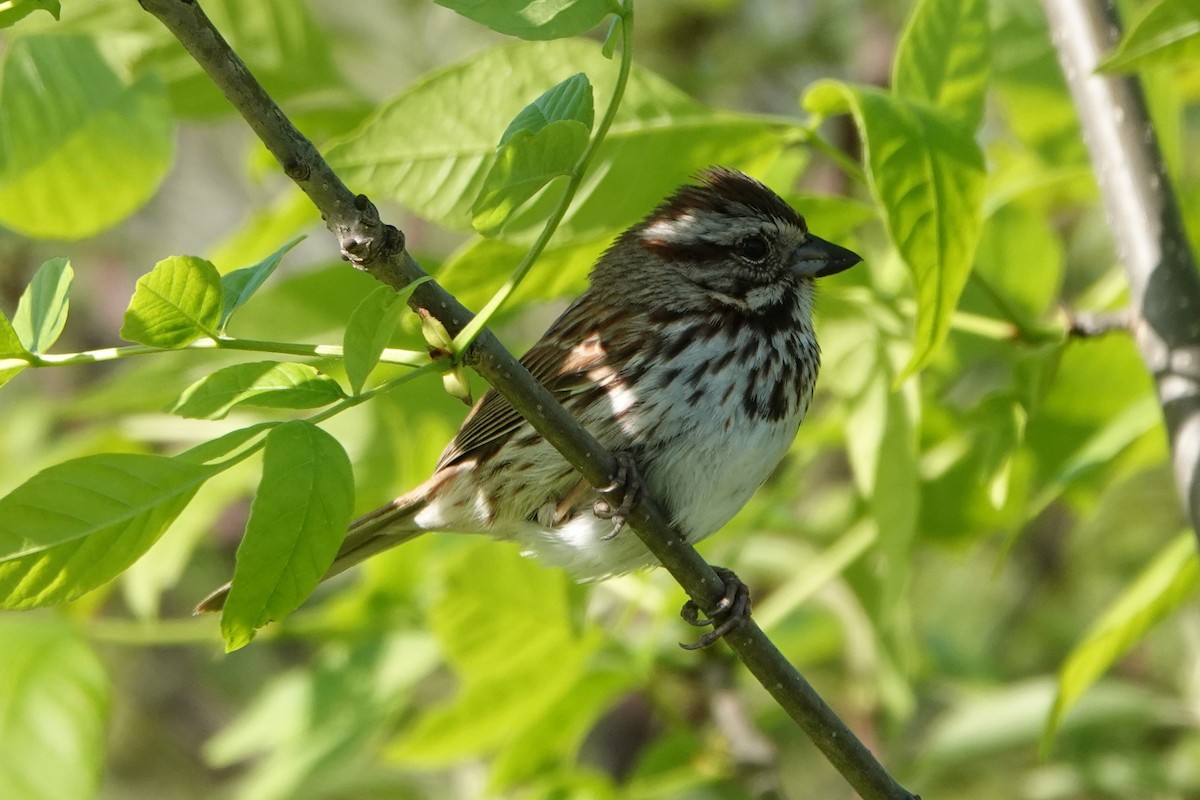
column 378, row 249
column 1152, row 244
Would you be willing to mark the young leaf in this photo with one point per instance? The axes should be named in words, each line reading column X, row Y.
column 534, row 19
column 1165, row 585
column 269, row 384
column 525, row 164
column 1168, row 34
column 56, row 704
column 18, row 9
column 658, row 138
column 10, row 346
column 81, row 497
column 927, row 175
column 10, row 342
column 84, row 146
column 177, row 302
column 569, row 100
column 367, row 333
column 296, row 524
column 79, row 524
column 42, row 309
column 238, row 286
column 942, row 58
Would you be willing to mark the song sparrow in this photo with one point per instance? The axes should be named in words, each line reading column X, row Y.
column 692, row 355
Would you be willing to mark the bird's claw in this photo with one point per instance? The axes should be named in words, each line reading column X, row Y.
column 732, row 610
column 626, row 484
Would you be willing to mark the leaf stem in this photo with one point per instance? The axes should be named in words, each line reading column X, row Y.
column 473, row 328
column 409, row 358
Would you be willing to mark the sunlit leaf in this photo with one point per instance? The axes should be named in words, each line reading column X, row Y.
column 177, row 302
column 534, row 19
column 370, row 328
column 10, row 345
column 238, row 286
column 525, row 164
column 84, row 148
column 297, row 521
column 77, row 525
column 42, row 310
column 926, row 173
column 1168, row 33
column 15, row 10
column 659, row 139
column 942, row 58
column 53, row 712
column 1163, row 586
column 269, row 384
column 569, row 100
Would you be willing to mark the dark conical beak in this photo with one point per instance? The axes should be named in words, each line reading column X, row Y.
column 818, row 258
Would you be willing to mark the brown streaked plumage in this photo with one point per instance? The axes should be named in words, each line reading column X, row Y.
column 692, row 353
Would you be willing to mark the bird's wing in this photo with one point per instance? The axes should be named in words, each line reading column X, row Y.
column 560, row 361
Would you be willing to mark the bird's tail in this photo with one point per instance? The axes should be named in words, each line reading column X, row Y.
column 386, row 527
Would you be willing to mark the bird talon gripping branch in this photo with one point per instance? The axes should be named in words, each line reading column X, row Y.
column 627, row 485
column 732, row 610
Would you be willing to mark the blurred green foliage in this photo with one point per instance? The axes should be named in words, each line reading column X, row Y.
column 981, row 564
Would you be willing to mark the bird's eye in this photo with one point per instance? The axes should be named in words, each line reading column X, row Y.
column 753, row 247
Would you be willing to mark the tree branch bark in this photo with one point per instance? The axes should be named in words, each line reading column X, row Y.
column 378, row 249
column 1152, row 244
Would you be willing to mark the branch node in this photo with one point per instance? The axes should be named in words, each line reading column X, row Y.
column 1093, row 324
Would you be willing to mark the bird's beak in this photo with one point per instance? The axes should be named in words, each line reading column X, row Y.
column 818, row 258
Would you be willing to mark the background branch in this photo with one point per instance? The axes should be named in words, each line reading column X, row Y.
column 1144, row 216
column 378, row 249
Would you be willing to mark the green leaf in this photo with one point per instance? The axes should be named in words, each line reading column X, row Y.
column 534, row 19
column 309, row 726
column 15, row 10
column 883, row 456
column 269, row 384
column 438, row 168
column 1164, row 586
column 83, row 147
column 927, row 174
column 177, row 302
column 297, row 522
column 79, row 524
column 942, row 58
column 515, row 666
column 367, row 333
column 217, row 449
column 10, row 346
column 526, row 164
column 53, row 711
column 1167, row 34
column 569, row 100
column 1016, row 235
column 10, row 342
column 42, row 309
column 238, row 286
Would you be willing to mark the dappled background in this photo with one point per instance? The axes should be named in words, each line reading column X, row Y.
column 942, row 557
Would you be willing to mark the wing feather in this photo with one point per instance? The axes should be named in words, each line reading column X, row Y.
column 561, row 361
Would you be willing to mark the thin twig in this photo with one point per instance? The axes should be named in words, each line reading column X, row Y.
column 379, row 249
column 1093, row 324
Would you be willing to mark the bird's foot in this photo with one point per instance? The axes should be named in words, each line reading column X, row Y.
column 626, row 485
column 732, row 610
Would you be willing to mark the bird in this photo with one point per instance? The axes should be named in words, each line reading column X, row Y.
column 691, row 356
